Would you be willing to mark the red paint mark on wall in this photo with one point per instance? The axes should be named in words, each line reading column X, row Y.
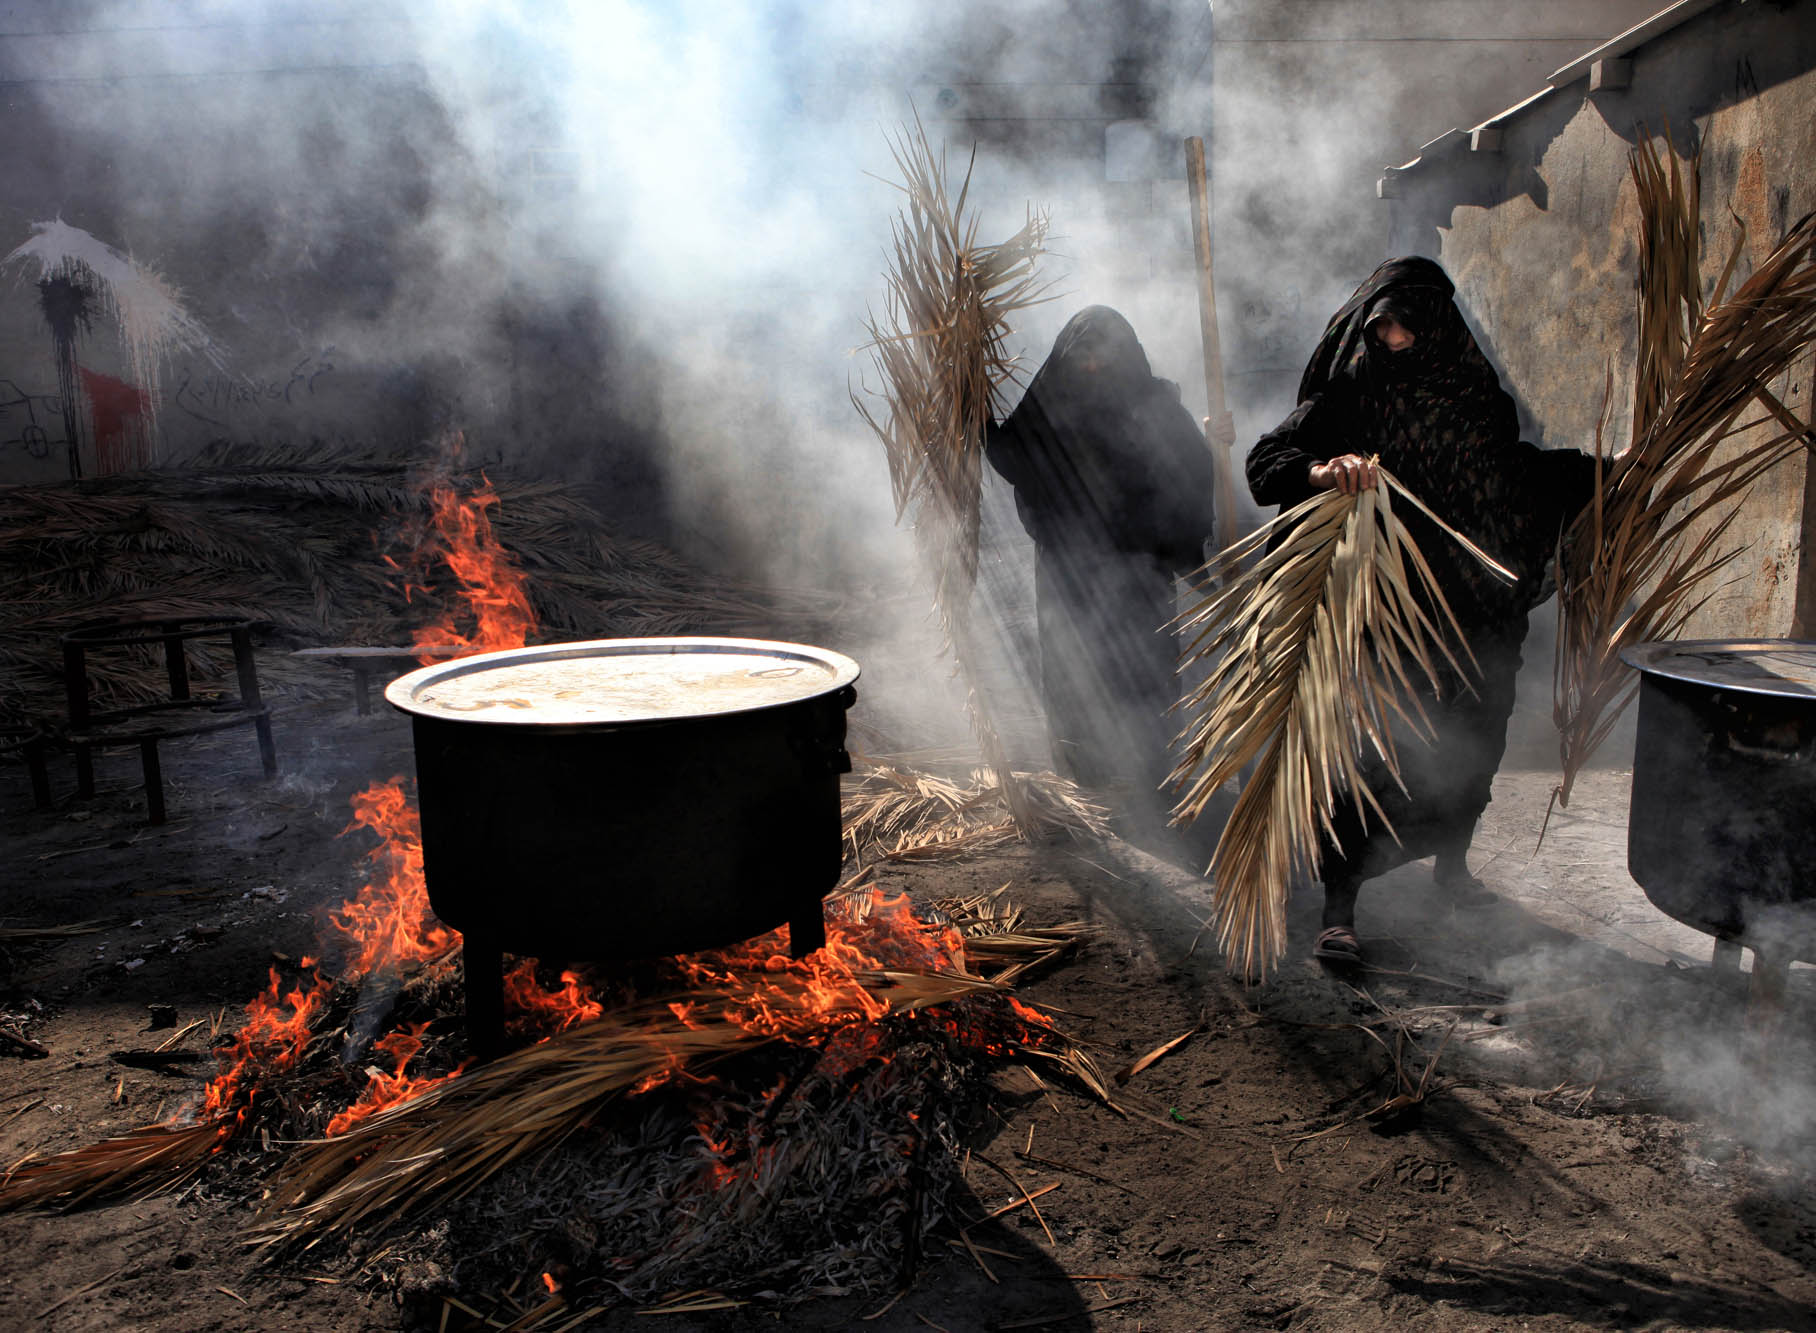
column 121, row 414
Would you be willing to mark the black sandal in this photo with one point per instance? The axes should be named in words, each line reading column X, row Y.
column 1338, row 944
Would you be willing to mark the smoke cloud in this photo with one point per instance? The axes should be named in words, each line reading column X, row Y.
column 613, row 240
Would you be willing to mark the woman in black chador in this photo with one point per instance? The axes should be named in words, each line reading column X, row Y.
column 1114, row 482
column 1398, row 376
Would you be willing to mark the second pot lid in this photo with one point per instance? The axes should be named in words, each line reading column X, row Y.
column 1784, row 667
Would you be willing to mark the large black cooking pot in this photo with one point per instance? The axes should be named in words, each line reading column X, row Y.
column 627, row 798
column 1724, row 789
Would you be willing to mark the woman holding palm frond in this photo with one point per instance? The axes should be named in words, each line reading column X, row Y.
column 1398, row 377
column 1116, row 486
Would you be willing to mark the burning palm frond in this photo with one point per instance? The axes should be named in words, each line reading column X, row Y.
column 900, row 814
column 452, row 1138
column 1642, row 558
column 940, row 348
column 889, row 985
column 1308, row 653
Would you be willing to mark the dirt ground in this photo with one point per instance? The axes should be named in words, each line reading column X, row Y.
column 1583, row 1138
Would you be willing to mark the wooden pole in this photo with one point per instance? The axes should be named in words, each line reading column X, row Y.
column 1219, row 425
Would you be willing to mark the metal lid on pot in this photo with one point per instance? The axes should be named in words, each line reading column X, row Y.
column 1785, row 667
column 609, row 681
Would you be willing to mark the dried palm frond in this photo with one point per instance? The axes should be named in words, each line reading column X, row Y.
column 1310, row 655
column 1670, row 270
column 900, row 814
column 940, row 349
column 999, row 942
column 157, row 1156
column 1642, row 558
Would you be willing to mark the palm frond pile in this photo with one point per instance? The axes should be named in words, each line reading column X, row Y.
column 297, row 540
column 940, row 349
column 1311, row 654
column 1643, row 558
column 895, row 813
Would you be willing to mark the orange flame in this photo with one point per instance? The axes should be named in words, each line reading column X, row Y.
column 384, row 1090
column 549, row 1012
column 493, row 588
column 389, row 922
column 881, row 933
column 274, row 1036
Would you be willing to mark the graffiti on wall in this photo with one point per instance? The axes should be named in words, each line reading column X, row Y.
column 1272, row 333
column 214, row 396
column 30, row 422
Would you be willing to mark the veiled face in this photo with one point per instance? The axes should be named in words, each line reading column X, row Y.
column 1095, row 350
column 1392, row 334
column 1098, row 345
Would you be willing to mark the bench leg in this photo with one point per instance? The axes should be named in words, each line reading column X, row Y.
column 40, row 771
column 267, row 747
column 154, row 779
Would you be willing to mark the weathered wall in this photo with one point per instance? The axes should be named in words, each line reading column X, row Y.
column 1542, row 240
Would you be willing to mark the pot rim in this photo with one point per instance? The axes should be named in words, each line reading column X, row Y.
column 1701, row 662
column 404, row 692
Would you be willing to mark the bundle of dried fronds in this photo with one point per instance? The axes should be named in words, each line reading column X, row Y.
column 1642, row 558
column 163, row 1155
column 895, row 813
column 1310, row 655
column 940, row 349
column 296, row 540
column 999, row 941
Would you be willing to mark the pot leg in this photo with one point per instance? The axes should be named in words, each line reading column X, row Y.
column 807, row 929
column 1724, row 967
column 484, row 965
column 1766, row 997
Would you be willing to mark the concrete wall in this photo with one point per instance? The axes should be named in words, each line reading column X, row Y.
column 1542, row 240
column 1310, row 99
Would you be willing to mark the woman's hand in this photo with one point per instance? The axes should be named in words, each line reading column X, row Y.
column 1348, row 473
